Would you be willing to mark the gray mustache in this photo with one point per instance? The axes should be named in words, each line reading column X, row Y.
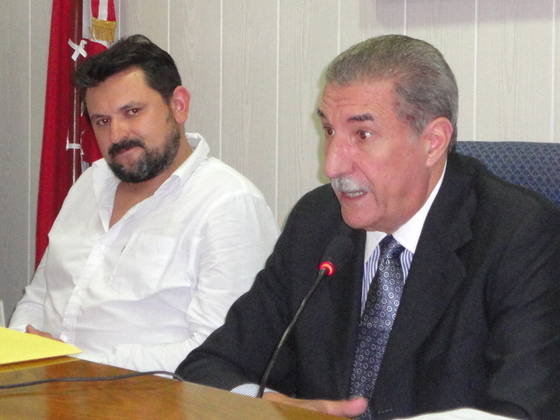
column 346, row 184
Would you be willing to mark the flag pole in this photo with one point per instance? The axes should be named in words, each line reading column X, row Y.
column 76, row 106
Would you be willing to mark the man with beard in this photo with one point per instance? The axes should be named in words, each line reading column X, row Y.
column 144, row 257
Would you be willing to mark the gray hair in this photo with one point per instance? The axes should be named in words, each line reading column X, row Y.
column 423, row 81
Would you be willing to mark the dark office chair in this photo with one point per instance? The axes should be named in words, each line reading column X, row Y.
column 530, row 164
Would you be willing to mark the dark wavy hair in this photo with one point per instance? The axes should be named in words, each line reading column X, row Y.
column 159, row 69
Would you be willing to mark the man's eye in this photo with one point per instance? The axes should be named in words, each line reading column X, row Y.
column 102, row 121
column 364, row 135
column 133, row 111
column 329, row 131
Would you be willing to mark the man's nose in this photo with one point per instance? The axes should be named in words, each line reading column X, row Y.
column 338, row 157
column 119, row 130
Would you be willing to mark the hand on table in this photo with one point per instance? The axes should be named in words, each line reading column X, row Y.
column 342, row 408
column 30, row 329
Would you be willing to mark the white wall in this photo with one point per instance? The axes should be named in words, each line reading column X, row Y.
column 24, row 31
column 253, row 68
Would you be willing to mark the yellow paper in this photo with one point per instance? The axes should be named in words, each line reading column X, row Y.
column 16, row 346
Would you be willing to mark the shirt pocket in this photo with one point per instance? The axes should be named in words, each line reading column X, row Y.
column 142, row 264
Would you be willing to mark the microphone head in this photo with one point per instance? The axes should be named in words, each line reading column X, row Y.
column 336, row 254
column 328, row 267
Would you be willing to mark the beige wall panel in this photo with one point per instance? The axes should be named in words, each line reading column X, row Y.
column 308, row 41
column 195, row 44
column 147, row 17
column 514, row 70
column 24, row 27
column 14, row 167
column 249, row 91
column 40, row 33
column 450, row 27
column 362, row 19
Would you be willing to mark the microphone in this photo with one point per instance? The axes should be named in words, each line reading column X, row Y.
column 335, row 256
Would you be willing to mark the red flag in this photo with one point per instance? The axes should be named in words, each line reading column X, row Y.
column 61, row 158
column 102, row 23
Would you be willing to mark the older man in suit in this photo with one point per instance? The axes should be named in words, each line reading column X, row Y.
column 452, row 295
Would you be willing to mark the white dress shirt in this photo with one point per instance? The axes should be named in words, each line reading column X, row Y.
column 407, row 235
column 146, row 291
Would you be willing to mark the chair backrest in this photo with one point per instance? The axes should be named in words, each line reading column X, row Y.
column 530, row 164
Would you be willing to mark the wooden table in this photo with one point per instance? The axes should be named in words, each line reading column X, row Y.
column 144, row 397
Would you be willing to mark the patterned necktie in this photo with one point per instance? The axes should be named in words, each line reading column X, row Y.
column 377, row 319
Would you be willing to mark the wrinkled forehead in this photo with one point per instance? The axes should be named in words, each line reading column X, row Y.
column 357, row 101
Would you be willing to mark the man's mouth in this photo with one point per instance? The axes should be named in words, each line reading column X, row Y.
column 123, row 150
column 348, row 187
column 353, row 194
column 124, row 146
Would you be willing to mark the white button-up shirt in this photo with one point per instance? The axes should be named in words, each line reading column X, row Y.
column 145, row 292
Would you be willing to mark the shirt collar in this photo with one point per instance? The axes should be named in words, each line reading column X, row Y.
column 180, row 176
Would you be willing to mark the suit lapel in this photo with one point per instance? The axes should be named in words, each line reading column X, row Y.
column 435, row 274
column 345, row 295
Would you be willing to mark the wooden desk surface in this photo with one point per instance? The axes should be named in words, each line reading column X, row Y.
column 144, row 397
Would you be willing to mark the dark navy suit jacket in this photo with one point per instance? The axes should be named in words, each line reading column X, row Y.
column 478, row 324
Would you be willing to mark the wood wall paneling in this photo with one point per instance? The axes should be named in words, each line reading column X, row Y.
column 446, row 25
column 362, row 19
column 249, row 91
column 147, row 17
column 195, row 44
column 514, row 70
column 39, row 54
column 308, row 40
column 14, row 169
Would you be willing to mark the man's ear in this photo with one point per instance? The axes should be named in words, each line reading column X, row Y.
column 438, row 134
column 180, row 102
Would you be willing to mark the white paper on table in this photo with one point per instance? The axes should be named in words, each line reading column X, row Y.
column 459, row 414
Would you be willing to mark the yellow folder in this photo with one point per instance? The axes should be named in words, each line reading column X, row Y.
column 16, row 346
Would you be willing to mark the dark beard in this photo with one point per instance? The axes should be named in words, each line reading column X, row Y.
column 150, row 164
